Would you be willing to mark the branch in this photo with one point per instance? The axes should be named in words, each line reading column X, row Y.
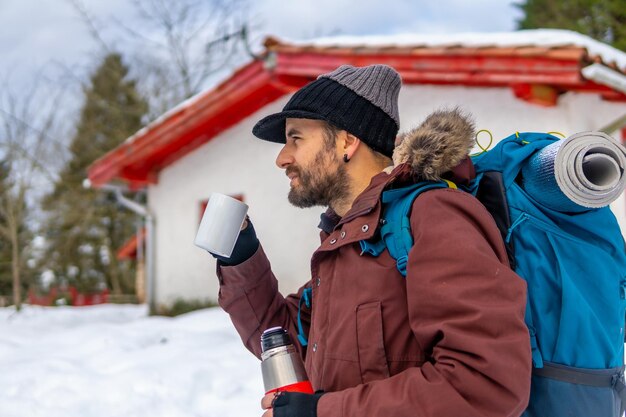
column 136, row 34
column 14, row 145
column 89, row 21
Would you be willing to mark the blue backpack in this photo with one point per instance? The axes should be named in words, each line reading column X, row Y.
column 575, row 268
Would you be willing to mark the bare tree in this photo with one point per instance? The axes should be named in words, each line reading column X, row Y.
column 176, row 46
column 28, row 153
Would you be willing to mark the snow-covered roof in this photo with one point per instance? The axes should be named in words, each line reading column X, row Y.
column 548, row 38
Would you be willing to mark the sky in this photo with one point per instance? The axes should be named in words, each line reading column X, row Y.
column 41, row 34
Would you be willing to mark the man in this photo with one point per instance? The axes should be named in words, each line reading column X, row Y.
column 447, row 340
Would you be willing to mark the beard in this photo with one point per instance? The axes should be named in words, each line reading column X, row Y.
column 323, row 182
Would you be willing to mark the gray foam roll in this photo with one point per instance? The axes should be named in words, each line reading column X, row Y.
column 586, row 170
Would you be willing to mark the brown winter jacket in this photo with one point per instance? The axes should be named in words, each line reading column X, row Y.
column 447, row 340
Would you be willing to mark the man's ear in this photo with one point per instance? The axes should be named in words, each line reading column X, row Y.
column 350, row 144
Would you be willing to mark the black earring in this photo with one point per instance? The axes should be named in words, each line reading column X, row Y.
column 345, row 158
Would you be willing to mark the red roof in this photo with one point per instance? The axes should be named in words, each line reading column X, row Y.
column 535, row 73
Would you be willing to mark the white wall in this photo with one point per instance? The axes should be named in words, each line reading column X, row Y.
column 233, row 163
column 237, row 163
column 497, row 110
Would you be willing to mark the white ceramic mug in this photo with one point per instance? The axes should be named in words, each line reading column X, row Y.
column 221, row 224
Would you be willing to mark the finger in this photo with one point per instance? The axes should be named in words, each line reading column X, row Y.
column 266, row 402
column 268, row 413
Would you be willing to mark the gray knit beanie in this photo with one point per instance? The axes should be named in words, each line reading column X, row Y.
column 360, row 100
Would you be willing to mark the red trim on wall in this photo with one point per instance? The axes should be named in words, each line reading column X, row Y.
column 129, row 249
column 541, row 94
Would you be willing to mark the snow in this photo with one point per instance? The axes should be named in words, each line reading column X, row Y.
column 115, row 360
column 603, row 75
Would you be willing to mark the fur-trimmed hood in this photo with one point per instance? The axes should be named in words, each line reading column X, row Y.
column 439, row 144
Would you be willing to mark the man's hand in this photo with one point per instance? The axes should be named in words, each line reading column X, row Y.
column 246, row 245
column 290, row 404
column 266, row 404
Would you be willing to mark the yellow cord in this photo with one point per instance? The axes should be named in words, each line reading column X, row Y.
column 451, row 184
column 483, row 150
column 525, row 142
column 557, row 133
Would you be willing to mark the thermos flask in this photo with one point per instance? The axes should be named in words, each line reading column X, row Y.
column 281, row 365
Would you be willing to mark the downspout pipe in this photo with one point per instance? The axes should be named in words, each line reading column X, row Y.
column 150, row 236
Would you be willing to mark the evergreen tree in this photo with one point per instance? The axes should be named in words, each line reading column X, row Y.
column 604, row 20
column 86, row 227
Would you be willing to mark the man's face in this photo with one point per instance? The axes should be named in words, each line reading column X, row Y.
column 310, row 160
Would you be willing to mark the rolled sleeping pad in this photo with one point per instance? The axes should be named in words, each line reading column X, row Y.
column 584, row 171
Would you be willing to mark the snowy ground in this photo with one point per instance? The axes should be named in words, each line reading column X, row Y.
column 113, row 360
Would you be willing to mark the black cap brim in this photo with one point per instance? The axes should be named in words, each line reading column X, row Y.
column 272, row 127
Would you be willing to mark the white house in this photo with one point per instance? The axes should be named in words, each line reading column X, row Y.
column 538, row 80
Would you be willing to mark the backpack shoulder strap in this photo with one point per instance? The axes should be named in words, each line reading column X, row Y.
column 492, row 194
column 395, row 232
